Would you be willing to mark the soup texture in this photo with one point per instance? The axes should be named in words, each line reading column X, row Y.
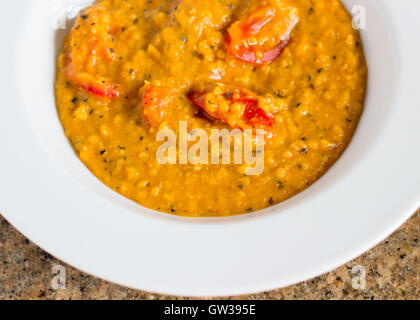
column 131, row 68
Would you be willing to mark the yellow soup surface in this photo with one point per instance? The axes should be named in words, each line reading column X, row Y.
column 130, row 68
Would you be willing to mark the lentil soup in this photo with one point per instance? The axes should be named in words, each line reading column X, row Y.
column 129, row 68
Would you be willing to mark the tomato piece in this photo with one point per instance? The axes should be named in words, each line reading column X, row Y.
column 155, row 101
column 93, row 84
column 254, row 114
column 91, row 44
column 257, row 20
column 235, row 106
column 254, row 56
column 247, row 39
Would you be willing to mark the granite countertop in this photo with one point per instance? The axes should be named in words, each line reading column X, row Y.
column 392, row 271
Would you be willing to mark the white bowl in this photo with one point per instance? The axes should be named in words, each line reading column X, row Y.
column 52, row 198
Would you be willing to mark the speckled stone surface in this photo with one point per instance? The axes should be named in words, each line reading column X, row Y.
column 392, row 272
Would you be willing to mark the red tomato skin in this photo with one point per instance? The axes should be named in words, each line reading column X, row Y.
column 257, row 21
column 155, row 99
column 255, row 115
column 239, row 46
column 249, row 55
column 252, row 116
column 110, row 93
